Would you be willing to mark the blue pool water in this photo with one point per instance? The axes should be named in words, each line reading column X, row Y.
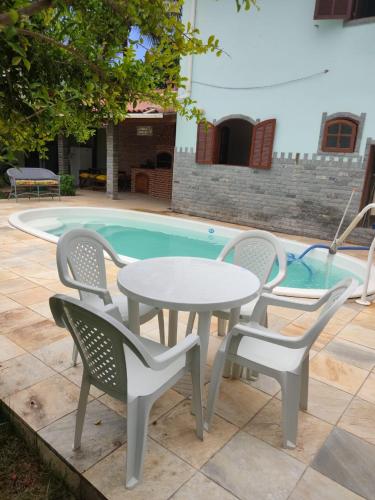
column 142, row 240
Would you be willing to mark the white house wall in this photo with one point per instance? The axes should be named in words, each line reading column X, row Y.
column 278, row 43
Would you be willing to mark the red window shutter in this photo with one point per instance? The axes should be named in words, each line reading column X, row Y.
column 333, row 9
column 262, row 144
column 206, row 143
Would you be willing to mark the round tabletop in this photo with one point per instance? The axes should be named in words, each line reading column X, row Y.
column 188, row 283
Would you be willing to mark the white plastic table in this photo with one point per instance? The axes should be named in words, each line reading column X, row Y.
column 187, row 284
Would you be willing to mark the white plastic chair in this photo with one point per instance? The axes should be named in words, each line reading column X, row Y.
column 130, row 368
column 256, row 251
column 284, row 358
column 81, row 265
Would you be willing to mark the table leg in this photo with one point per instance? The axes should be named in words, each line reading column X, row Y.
column 230, row 368
column 204, row 322
column 172, row 328
column 133, row 319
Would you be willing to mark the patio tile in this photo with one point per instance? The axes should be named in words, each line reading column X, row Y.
column 239, row 402
column 352, row 353
column 200, row 487
column 57, row 355
column 277, row 322
column 9, row 349
column 31, row 296
column 349, row 461
column 17, row 318
column 176, row 432
column 332, row 327
column 6, row 274
column 285, row 312
column 322, row 341
column 45, row 401
column 327, row 369
column 252, row 469
column 315, row 486
column 326, row 402
column 213, row 346
column 365, row 319
column 367, row 391
column 43, row 309
column 21, row 372
column 312, row 432
column 163, row 474
column 359, row 335
column 293, row 330
column 359, row 419
column 184, row 386
column 103, row 432
column 264, row 383
column 74, row 374
column 15, row 285
column 7, row 304
column 161, row 406
column 37, row 335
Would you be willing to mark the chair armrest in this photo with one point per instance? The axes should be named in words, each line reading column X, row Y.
column 256, row 331
column 270, row 299
column 268, row 287
column 166, row 358
column 102, row 292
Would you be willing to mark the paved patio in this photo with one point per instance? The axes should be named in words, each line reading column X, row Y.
column 242, row 456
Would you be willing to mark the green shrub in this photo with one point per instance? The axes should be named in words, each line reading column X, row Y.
column 67, row 185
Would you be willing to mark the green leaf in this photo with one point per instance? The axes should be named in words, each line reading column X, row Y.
column 16, row 60
column 13, row 14
column 27, row 64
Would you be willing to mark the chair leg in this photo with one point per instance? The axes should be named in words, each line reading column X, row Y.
column 190, row 324
column 197, row 392
column 74, row 355
column 81, row 412
column 304, row 385
column 221, row 327
column 290, row 388
column 213, row 392
column 161, row 326
column 138, row 411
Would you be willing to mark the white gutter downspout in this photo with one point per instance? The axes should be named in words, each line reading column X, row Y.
column 192, row 21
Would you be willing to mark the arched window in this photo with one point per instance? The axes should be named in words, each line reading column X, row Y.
column 340, row 136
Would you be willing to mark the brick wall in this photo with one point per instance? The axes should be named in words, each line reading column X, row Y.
column 136, row 150
column 159, row 181
column 305, row 196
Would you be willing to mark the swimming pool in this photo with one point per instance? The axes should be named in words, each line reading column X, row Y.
column 140, row 235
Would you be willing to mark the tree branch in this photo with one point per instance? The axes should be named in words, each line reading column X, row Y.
column 72, row 50
column 34, row 8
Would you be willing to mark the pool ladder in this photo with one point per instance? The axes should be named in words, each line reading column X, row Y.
column 365, row 299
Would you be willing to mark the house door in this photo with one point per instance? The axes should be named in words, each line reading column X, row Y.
column 368, row 191
column 141, row 183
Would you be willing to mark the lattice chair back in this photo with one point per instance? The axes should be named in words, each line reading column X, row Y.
column 80, row 254
column 100, row 340
column 330, row 303
column 257, row 251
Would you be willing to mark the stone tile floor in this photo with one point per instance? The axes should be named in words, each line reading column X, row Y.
column 242, row 456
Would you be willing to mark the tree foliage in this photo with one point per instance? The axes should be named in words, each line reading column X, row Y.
column 68, row 66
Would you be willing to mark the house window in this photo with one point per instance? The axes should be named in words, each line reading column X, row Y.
column 344, row 9
column 234, row 140
column 237, row 142
column 340, row 136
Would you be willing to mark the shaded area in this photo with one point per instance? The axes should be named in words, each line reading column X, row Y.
column 22, row 474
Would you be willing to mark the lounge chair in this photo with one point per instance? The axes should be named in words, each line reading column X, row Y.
column 33, row 182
